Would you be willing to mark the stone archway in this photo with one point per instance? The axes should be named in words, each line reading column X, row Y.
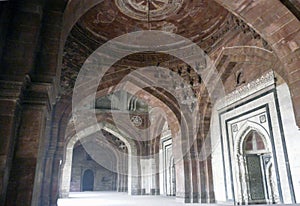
column 66, row 167
column 254, row 177
column 280, row 28
column 280, row 34
column 287, row 50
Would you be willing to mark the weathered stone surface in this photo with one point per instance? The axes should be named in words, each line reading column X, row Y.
column 50, row 40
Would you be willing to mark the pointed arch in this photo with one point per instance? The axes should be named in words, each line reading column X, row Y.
column 66, row 167
column 263, row 159
column 245, row 129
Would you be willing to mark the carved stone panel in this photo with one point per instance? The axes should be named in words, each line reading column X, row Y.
column 145, row 10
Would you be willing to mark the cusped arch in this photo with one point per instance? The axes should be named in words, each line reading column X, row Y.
column 242, row 193
column 245, row 129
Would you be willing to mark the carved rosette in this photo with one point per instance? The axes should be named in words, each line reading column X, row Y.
column 145, row 10
column 137, row 121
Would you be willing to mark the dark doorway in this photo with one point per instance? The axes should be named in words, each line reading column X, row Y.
column 257, row 162
column 255, row 178
column 88, row 181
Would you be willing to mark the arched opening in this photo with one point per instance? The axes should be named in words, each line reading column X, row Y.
column 254, row 143
column 256, row 176
column 256, row 157
column 37, row 48
column 97, row 153
column 88, row 181
column 104, row 178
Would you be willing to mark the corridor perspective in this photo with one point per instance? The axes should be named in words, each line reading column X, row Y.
column 149, row 102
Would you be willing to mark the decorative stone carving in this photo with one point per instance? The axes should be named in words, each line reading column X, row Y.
column 146, row 10
column 105, row 17
column 137, row 121
column 169, row 27
column 239, row 24
column 234, row 127
column 262, row 118
column 250, row 88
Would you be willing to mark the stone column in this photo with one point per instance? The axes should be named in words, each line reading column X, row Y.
column 125, row 183
column 121, row 174
column 155, row 176
column 55, row 178
column 195, row 173
column 25, row 184
column 206, row 175
column 119, row 182
column 10, row 109
column 134, row 180
column 49, row 162
column 125, row 174
column 211, row 192
column 203, row 169
column 22, row 42
column 154, row 151
column 210, row 184
column 183, row 168
column 187, row 178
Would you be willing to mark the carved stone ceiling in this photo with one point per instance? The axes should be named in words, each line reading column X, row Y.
column 203, row 21
column 146, row 10
column 192, row 19
column 199, row 21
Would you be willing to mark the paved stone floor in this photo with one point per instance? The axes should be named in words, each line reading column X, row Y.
column 114, row 198
column 120, row 199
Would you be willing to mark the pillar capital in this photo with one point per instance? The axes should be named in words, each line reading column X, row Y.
column 42, row 92
column 12, row 89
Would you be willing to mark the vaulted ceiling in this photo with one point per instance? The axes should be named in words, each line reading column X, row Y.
column 204, row 22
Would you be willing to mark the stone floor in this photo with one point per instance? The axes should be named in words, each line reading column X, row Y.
column 121, row 199
column 114, row 198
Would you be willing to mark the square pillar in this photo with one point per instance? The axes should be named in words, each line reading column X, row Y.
column 10, row 98
column 26, row 179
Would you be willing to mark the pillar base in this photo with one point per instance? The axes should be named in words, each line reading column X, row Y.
column 123, row 189
column 183, row 197
column 196, row 197
column 64, row 195
column 152, row 191
column 212, row 198
column 136, row 192
column 155, row 192
column 203, row 197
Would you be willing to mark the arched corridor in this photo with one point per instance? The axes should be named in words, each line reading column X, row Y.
column 149, row 102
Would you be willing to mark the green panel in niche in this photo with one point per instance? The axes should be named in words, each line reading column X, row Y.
column 256, row 184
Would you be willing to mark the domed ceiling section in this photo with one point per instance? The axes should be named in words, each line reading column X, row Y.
column 199, row 21
column 146, row 10
column 204, row 22
column 195, row 20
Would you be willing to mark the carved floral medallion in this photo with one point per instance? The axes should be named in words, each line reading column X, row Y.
column 149, row 10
